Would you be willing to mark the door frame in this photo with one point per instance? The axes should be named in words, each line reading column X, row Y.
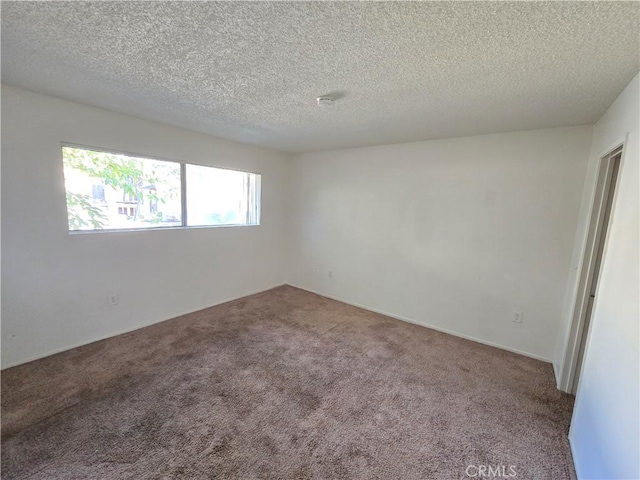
column 596, row 228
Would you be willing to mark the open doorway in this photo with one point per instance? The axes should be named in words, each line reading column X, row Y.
column 591, row 269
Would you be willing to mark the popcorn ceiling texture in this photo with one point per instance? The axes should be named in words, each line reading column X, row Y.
column 250, row 71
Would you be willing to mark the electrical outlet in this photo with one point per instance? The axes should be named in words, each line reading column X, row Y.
column 517, row 317
column 113, row 299
column 330, row 274
column 316, row 270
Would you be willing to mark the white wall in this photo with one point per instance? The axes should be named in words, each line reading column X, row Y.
column 605, row 429
column 55, row 285
column 456, row 234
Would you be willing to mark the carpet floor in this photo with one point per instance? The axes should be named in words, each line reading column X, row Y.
column 284, row 384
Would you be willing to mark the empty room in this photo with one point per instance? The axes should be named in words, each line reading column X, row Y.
column 320, row 240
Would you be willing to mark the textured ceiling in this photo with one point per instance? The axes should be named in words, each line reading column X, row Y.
column 250, row 71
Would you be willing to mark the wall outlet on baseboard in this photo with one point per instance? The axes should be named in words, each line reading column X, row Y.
column 517, row 317
column 113, row 299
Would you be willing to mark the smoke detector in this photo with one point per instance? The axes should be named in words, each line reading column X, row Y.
column 325, row 101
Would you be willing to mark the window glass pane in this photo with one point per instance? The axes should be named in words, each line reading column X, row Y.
column 114, row 191
column 217, row 196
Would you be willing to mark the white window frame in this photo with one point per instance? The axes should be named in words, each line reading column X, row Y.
column 253, row 213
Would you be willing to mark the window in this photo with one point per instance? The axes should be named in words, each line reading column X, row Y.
column 112, row 191
column 220, row 197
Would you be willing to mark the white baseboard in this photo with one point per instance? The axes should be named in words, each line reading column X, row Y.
column 573, row 455
column 128, row 330
column 424, row 324
column 375, row 310
column 556, row 374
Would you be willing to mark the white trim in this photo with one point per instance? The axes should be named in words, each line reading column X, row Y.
column 159, row 229
column 427, row 325
column 574, row 458
column 338, row 299
column 184, row 221
column 132, row 329
column 565, row 379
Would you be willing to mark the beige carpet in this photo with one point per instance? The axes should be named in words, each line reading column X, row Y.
column 283, row 384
